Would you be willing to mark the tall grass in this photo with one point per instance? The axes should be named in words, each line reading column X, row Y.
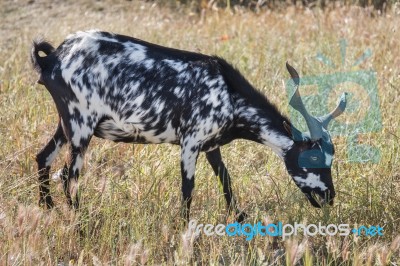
column 130, row 194
column 378, row 5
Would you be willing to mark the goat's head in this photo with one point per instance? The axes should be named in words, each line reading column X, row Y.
column 309, row 159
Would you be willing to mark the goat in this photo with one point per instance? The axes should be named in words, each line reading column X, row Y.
column 127, row 90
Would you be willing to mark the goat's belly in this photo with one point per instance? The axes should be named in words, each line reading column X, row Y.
column 133, row 132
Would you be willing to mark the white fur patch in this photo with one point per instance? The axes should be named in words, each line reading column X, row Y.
column 78, row 164
column 176, row 65
column 56, row 177
column 189, row 157
column 328, row 159
column 278, row 143
column 53, row 155
column 138, row 53
column 312, row 181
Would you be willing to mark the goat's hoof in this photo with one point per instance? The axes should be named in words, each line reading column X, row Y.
column 46, row 203
column 241, row 216
column 180, row 224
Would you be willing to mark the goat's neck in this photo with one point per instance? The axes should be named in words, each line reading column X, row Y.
column 259, row 125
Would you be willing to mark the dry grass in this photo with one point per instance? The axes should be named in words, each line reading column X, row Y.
column 130, row 193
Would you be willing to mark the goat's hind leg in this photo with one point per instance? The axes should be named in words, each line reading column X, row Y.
column 70, row 181
column 44, row 160
column 79, row 144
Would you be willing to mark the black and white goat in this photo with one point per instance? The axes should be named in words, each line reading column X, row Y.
column 126, row 90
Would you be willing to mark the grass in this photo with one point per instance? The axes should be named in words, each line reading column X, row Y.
column 130, row 194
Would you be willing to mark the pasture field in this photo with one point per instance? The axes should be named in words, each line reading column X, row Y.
column 130, row 194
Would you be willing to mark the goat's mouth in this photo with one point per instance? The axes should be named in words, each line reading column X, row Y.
column 319, row 199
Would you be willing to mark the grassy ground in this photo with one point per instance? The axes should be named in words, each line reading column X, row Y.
column 130, row 194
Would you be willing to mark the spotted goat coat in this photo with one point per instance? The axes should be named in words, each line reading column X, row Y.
column 126, row 90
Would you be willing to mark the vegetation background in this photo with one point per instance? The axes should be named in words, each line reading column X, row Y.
column 130, row 194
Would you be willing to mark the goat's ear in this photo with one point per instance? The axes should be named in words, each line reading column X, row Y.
column 294, row 133
column 288, row 128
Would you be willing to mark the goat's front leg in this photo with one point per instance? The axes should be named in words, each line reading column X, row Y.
column 189, row 155
column 215, row 160
column 70, row 181
column 44, row 160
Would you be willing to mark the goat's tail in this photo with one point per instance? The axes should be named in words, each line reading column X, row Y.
column 38, row 61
